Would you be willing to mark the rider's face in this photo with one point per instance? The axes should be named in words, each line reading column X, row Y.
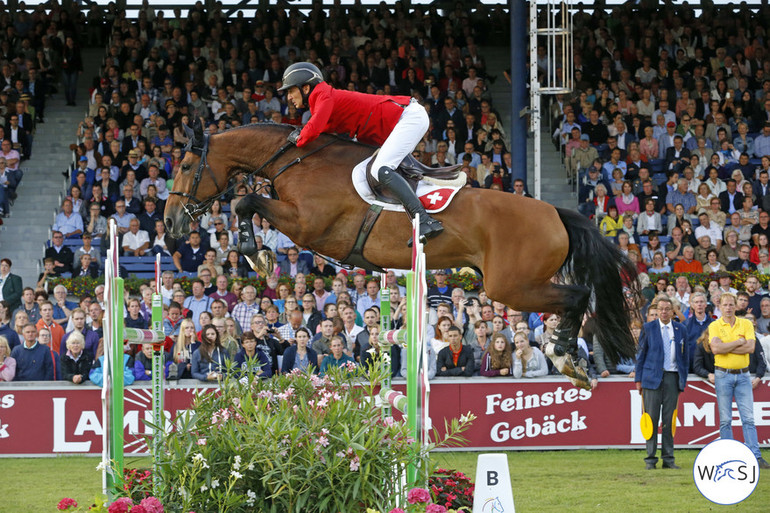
column 294, row 95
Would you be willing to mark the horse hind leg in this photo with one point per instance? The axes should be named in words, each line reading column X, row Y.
column 562, row 349
column 575, row 304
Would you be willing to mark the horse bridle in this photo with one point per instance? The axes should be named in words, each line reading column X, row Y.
column 195, row 207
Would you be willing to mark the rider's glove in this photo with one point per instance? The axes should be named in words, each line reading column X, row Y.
column 294, row 136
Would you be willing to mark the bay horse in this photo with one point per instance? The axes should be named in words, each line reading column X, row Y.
column 533, row 257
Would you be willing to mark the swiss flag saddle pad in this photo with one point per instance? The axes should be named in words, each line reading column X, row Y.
column 435, row 197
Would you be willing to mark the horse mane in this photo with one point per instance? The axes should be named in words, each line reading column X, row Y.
column 289, row 128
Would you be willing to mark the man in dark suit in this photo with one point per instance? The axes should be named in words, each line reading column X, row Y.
column 450, row 112
column 731, row 200
column 10, row 285
column 742, row 263
column 132, row 139
column 762, row 189
column 37, row 86
column 293, row 265
column 61, row 254
column 661, row 374
column 677, row 156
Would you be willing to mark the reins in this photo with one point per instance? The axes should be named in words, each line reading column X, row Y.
column 195, row 207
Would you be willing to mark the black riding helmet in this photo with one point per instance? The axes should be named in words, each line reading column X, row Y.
column 299, row 74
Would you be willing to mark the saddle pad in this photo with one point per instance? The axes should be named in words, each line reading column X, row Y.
column 434, row 198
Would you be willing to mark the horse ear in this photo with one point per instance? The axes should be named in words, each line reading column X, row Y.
column 198, row 130
column 188, row 131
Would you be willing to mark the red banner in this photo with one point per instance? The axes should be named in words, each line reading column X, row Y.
column 511, row 414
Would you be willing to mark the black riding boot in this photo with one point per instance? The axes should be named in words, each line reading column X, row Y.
column 396, row 184
column 247, row 246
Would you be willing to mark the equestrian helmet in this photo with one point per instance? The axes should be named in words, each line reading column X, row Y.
column 299, row 74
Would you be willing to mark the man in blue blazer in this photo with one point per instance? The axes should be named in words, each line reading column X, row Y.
column 661, row 374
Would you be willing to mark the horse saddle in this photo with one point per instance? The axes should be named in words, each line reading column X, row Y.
column 413, row 171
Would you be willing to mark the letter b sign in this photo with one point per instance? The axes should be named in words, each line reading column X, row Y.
column 492, row 479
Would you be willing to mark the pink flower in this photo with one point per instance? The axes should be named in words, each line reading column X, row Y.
column 397, row 510
column 122, row 505
column 67, row 503
column 355, row 463
column 151, row 505
column 138, row 509
column 418, row 495
column 435, row 508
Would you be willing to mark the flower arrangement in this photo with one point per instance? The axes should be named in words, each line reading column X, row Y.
column 451, row 488
column 81, row 286
column 703, row 279
column 295, row 442
column 121, row 505
column 420, row 500
column 137, row 483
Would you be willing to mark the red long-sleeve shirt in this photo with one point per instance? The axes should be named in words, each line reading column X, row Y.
column 368, row 117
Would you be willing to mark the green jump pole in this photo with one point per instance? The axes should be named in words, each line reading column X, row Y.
column 115, row 478
column 385, row 327
column 158, row 417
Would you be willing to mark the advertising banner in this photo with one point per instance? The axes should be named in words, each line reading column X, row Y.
column 511, row 414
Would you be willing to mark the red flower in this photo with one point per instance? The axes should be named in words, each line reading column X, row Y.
column 151, row 505
column 122, row 505
column 138, row 509
column 418, row 495
column 67, row 503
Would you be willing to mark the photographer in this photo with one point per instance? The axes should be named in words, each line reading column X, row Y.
column 499, row 176
column 266, row 341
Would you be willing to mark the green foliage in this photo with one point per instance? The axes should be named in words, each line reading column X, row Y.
column 294, row 443
column 80, row 286
column 703, row 279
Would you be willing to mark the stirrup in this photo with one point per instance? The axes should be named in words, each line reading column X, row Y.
column 433, row 229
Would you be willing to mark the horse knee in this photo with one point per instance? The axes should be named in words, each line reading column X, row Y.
column 247, row 205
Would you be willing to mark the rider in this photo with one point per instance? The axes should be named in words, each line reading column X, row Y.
column 395, row 123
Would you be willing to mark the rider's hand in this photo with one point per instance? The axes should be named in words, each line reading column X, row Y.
column 294, row 136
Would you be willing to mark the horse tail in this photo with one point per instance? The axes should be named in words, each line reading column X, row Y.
column 594, row 262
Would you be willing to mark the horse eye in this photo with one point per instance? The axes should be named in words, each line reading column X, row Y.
column 185, row 167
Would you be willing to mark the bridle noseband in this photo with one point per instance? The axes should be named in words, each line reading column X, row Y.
column 195, row 207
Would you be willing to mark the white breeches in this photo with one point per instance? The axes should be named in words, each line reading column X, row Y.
column 409, row 130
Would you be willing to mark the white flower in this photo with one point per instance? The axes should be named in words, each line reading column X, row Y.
column 371, row 351
column 214, row 483
column 236, row 462
column 103, row 465
column 251, row 497
column 199, row 458
column 236, row 475
column 204, row 488
column 250, row 467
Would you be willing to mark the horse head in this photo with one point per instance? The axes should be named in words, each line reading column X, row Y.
column 192, row 185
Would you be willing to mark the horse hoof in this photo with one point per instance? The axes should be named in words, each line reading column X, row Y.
column 263, row 262
column 575, row 372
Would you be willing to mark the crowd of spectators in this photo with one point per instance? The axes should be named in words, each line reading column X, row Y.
column 667, row 134
column 160, row 73
column 647, row 135
column 33, row 49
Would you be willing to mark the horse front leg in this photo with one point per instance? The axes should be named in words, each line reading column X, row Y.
column 261, row 260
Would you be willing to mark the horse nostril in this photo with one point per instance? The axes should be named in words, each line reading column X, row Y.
column 169, row 224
